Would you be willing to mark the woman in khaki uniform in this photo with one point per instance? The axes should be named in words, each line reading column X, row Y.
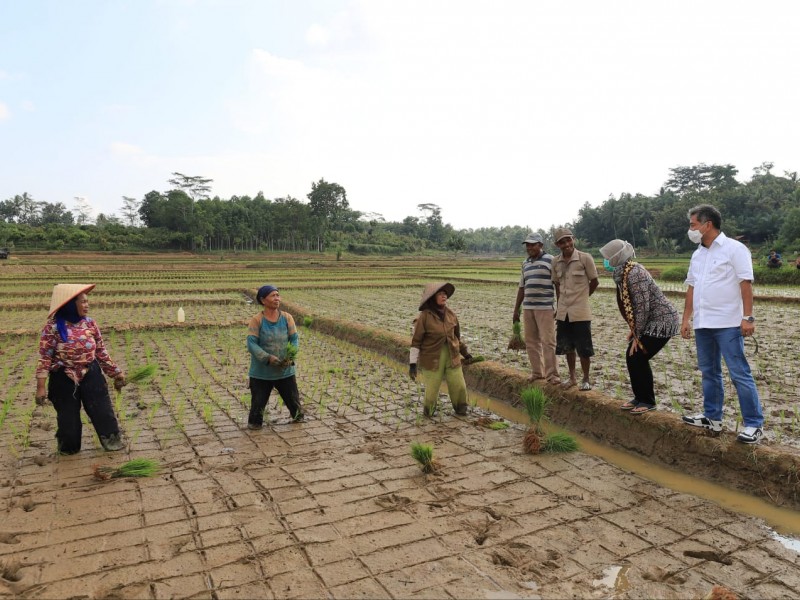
column 437, row 346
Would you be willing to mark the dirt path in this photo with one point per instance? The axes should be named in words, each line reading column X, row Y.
column 335, row 507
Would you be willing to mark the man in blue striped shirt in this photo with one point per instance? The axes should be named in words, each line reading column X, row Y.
column 536, row 296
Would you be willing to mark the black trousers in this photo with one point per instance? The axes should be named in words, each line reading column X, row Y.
column 260, row 389
column 639, row 368
column 67, row 398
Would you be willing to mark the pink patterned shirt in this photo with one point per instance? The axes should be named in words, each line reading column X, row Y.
column 84, row 344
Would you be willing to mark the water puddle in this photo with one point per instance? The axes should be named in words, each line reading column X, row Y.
column 614, row 578
column 784, row 521
column 787, row 542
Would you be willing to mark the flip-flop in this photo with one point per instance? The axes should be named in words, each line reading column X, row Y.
column 568, row 384
column 642, row 408
column 629, row 405
column 585, row 386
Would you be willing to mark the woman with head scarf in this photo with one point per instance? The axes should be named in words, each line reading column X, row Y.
column 73, row 356
column 436, row 344
column 269, row 334
column 652, row 320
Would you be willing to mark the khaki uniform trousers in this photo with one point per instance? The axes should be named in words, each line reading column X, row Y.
column 540, row 341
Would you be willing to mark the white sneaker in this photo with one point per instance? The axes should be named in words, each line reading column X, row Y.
column 750, row 435
column 702, row 421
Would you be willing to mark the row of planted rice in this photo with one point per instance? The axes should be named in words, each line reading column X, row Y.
column 484, row 311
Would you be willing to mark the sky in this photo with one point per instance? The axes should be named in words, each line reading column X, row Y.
column 501, row 112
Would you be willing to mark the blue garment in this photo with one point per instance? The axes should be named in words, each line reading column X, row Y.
column 712, row 346
column 272, row 340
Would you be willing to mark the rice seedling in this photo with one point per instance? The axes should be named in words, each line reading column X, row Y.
column 516, row 342
column 138, row 467
column 307, row 322
column 423, row 454
column 536, row 401
column 559, row 442
column 290, row 353
column 208, row 414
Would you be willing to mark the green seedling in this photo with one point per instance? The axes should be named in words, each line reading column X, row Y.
column 290, row 354
column 423, row 454
column 138, row 467
column 142, row 374
column 559, row 442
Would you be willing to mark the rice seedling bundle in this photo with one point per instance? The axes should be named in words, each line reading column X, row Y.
column 142, row 374
column 291, row 353
column 138, row 467
column 536, row 402
column 423, row 454
column 516, row 342
column 559, row 442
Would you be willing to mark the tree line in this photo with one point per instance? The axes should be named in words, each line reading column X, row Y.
column 763, row 211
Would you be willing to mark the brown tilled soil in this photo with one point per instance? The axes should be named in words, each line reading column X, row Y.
column 335, row 507
column 768, row 471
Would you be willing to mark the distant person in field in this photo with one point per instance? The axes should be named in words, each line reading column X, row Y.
column 436, row 345
column 774, row 260
column 536, row 296
column 575, row 279
column 719, row 303
column 72, row 361
column 269, row 334
column 652, row 320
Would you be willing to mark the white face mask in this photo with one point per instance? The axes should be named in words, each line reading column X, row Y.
column 695, row 236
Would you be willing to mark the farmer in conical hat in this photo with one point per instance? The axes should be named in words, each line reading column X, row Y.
column 436, row 345
column 73, row 356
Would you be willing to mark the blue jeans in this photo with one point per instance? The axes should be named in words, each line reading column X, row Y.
column 728, row 343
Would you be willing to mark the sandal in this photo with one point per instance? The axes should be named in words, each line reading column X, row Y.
column 630, row 404
column 585, row 386
column 642, row 408
column 568, row 384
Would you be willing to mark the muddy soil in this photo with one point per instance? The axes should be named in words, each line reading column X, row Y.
column 485, row 311
column 336, row 507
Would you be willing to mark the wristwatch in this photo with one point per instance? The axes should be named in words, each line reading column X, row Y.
column 749, row 319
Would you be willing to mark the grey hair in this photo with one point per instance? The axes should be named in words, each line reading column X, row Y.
column 706, row 212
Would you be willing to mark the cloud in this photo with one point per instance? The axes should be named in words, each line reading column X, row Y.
column 133, row 154
column 317, row 35
column 4, row 112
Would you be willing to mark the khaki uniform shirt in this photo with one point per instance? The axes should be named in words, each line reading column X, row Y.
column 572, row 278
column 431, row 333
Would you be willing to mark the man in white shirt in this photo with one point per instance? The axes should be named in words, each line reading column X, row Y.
column 720, row 300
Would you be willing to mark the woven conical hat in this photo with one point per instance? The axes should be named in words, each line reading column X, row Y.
column 432, row 289
column 64, row 292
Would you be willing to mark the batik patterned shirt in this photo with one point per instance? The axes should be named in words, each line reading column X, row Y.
column 84, row 345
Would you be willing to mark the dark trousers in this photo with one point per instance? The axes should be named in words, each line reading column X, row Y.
column 67, row 398
column 639, row 368
column 260, row 389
